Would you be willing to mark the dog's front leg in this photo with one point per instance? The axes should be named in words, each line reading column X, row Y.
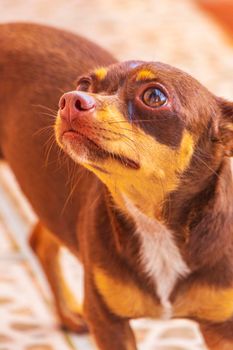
column 47, row 247
column 109, row 330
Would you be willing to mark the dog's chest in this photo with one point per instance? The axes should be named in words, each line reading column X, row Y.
column 159, row 256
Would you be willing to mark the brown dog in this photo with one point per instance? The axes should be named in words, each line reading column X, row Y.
column 152, row 221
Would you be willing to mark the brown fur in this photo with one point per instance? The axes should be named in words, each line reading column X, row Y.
column 175, row 173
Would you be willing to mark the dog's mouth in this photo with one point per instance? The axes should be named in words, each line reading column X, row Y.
column 76, row 138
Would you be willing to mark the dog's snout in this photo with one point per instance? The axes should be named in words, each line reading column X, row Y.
column 75, row 104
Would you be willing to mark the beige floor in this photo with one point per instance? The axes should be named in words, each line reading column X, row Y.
column 173, row 31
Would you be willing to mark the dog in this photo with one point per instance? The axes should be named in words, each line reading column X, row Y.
column 151, row 213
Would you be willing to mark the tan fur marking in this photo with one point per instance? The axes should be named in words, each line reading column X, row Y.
column 206, row 303
column 125, row 299
column 228, row 126
column 101, row 73
column 145, row 75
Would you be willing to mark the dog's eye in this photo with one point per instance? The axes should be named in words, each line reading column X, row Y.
column 154, row 97
column 84, row 84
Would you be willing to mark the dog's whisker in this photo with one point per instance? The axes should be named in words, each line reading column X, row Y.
column 62, row 91
column 73, row 185
column 207, row 166
column 54, row 116
column 121, row 128
column 133, row 121
column 62, row 157
column 48, row 109
column 43, row 130
column 50, row 143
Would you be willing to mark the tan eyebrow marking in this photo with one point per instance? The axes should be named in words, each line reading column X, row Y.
column 101, row 72
column 145, row 74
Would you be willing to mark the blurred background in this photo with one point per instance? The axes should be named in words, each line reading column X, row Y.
column 195, row 35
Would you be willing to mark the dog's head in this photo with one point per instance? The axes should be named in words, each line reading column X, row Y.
column 142, row 128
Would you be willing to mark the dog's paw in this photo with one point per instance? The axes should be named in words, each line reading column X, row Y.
column 73, row 322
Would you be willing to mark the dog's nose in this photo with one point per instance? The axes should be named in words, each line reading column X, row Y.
column 75, row 104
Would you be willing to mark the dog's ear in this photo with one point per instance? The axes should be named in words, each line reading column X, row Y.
column 226, row 126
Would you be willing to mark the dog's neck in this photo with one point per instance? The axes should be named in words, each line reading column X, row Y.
column 202, row 219
column 191, row 215
column 145, row 200
column 207, row 219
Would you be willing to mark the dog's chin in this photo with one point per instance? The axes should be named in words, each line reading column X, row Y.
column 84, row 150
column 80, row 148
